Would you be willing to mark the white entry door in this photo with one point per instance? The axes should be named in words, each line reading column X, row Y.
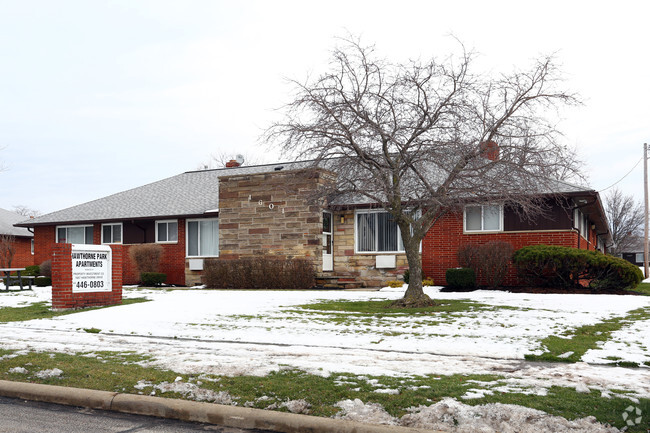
column 328, row 259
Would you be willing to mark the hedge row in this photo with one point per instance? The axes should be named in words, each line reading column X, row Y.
column 544, row 265
column 261, row 272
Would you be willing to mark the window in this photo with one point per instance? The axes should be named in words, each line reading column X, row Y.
column 377, row 232
column 203, row 237
column 112, row 233
column 32, row 248
column 638, row 258
column 483, row 218
column 74, row 234
column 581, row 222
column 167, row 231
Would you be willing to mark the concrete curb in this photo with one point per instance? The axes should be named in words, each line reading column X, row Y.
column 184, row 410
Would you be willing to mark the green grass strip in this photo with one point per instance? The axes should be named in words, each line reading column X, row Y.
column 382, row 308
column 643, row 288
column 42, row 310
column 120, row 372
column 587, row 337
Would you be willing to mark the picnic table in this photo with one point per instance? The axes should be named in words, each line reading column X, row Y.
column 8, row 271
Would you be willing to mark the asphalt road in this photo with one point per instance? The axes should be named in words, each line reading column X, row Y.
column 20, row 416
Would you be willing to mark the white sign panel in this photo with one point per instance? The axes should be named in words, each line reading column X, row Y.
column 91, row 268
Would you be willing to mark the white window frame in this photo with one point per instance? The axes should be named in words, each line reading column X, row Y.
column 356, row 234
column 112, row 232
column 581, row 222
column 56, row 232
column 482, row 230
column 187, row 236
column 166, row 222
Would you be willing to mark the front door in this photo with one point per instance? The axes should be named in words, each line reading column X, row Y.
column 328, row 260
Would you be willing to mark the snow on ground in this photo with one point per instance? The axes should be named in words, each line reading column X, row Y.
column 256, row 332
column 450, row 415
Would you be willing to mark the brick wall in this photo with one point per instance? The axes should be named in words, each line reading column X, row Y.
column 441, row 244
column 22, row 252
column 44, row 241
column 62, row 295
column 172, row 261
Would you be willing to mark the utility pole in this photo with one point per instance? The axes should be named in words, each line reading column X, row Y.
column 645, row 197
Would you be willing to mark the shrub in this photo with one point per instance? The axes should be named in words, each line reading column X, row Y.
column 461, row 278
column 427, row 282
column 407, row 275
column 468, row 257
column 146, row 257
column 395, row 283
column 43, row 281
column 152, row 279
column 566, row 267
column 45, row 269
column 32, row 271
column 489, row 261
column 259, row 272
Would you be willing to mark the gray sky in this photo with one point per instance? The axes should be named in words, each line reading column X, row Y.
column 101, row 96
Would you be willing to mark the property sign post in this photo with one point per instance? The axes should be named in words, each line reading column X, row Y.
column 86, row 276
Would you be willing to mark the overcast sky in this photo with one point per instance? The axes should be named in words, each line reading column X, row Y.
column 97, row 97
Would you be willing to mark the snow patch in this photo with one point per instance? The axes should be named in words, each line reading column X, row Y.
column 452, row 416
column 297, row 406
column 356, row 410
column 188, row 390
column 19, row 370
column 49, row 373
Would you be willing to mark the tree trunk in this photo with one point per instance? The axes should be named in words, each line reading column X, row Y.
column 414, row 297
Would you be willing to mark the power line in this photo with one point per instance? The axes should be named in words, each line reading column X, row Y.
column 626, row 175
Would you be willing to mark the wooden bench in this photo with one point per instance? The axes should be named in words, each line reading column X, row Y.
column 8, row 278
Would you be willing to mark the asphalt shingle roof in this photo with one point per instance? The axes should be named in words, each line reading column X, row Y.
column 190, row 193
column 7, row 221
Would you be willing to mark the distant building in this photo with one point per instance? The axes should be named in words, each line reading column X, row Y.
column 23, row 239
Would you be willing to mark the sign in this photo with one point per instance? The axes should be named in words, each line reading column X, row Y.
column 91, row 268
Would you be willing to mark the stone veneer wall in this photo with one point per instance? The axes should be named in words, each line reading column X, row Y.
column 360, row 266
column 271, row 213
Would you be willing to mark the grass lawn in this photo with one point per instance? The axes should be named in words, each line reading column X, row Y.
column 42, row 310
column 643, row 288
column 121, row 372
column 363, row 322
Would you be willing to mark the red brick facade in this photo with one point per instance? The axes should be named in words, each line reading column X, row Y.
column 62, row 295
column 23, row 252
column 440, row 245
column 172, row 263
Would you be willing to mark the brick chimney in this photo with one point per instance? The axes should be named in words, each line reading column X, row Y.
column 232, row 163
column 490, row 150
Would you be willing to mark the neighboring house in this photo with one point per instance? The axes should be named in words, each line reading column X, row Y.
column 22, row 240
column 272, row 209
column 634, row 253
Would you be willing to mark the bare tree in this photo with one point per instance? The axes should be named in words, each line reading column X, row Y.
column 7, row 250
column 625, row 217
column 423, row 138
column 26, row 211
